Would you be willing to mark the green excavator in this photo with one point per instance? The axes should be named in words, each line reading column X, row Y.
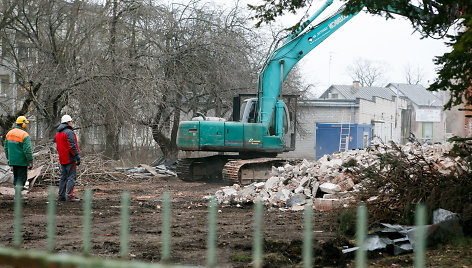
column 264, row 126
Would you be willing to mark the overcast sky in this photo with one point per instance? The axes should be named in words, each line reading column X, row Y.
column 391, row 43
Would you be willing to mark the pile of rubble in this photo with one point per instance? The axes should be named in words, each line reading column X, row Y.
column 329, row 182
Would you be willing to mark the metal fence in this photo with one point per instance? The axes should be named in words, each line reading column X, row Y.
column 18, row 257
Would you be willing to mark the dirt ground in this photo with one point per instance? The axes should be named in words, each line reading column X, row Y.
column 283, row 230
column 189, row 223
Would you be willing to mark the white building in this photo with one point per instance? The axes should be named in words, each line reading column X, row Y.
column 426, row 118
column 391, row 113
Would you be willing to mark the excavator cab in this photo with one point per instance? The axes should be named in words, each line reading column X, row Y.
column 245, row 110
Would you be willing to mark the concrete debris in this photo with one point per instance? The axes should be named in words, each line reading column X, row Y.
column 327, row 183
column 146, row 171
column 6, row 178
column 6, row 175
column 399, row 239
column 330, row 188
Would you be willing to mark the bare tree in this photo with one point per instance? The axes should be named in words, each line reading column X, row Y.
column 7, row 12
column 204, row 60
column 413, row 75
column 131, row 62
column 367, row 72
column 46, row 39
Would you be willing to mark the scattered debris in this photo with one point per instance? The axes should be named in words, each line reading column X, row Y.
column 94, row 167
column 33, row 174
column 399, row 239
column 331, row 181
column 6, row 175
column 149, row 169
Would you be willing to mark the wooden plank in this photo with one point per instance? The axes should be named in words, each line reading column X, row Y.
column 150, row 169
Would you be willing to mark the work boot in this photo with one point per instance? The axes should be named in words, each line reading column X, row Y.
column 61, row 198
column 74, row 199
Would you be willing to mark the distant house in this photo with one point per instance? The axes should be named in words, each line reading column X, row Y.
column 391, row 115
column 378, row 106
column 424, row 117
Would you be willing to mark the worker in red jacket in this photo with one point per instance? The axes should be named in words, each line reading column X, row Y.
column 66, row 142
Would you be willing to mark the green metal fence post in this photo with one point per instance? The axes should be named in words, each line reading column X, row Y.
column 257, row 251
column 211, row 240
column 166, row 231
column 361, row 236
column 87, row 222
column 420, row 236
column 17, row 222
column 124, row 249
column 51, row 218
column 308, row 236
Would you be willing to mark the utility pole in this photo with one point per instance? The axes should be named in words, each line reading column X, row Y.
column 329, row 66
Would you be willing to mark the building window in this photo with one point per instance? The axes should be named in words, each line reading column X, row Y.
column 4, row 84
column 334, row 96
column 4, row 47
column 25, row 51
column 427, row 130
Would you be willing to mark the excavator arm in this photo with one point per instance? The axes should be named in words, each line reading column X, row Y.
column 296, row 45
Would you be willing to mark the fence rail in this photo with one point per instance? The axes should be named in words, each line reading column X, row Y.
column 18, row 257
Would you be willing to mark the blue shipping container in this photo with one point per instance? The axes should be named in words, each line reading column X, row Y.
column 328, row 135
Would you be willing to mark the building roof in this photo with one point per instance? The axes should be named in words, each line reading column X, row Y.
column 417, row 94
column 329, row 103
column 367, row 93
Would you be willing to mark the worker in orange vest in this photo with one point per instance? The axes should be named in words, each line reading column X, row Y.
column 18, row 152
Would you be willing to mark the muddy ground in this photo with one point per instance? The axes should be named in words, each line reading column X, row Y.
column 283, row 230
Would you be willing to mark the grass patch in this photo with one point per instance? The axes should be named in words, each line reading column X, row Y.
column 241, row 257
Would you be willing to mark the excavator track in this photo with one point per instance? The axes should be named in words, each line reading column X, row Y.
column 247, row 171
column 184, row 169
column 228, row 168
column 201, row 169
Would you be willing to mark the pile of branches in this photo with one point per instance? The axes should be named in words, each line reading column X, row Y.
column 402, row 179
column 93, row 168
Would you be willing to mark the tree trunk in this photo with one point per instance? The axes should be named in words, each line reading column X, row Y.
column 167, row 145
column 112, row 145
column 112, row 127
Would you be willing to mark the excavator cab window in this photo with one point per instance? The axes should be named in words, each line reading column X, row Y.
column 241, row 113
column 252, row 113
column 286, row 120
column 249, row 111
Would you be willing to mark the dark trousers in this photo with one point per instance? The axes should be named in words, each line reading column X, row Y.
column 67, row 182
column 20, row 174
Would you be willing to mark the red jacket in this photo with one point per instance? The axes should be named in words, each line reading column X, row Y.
column 66, row 143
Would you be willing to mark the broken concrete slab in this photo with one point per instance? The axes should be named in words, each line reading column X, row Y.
column 7, row 191
column 374, row 242
column 330, row 188
column 6, row 175
column 272, row 182
column 441, row 215
column 296, row 199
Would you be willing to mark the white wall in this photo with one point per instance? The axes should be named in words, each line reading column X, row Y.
column 385, row 114
column 439, row 128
